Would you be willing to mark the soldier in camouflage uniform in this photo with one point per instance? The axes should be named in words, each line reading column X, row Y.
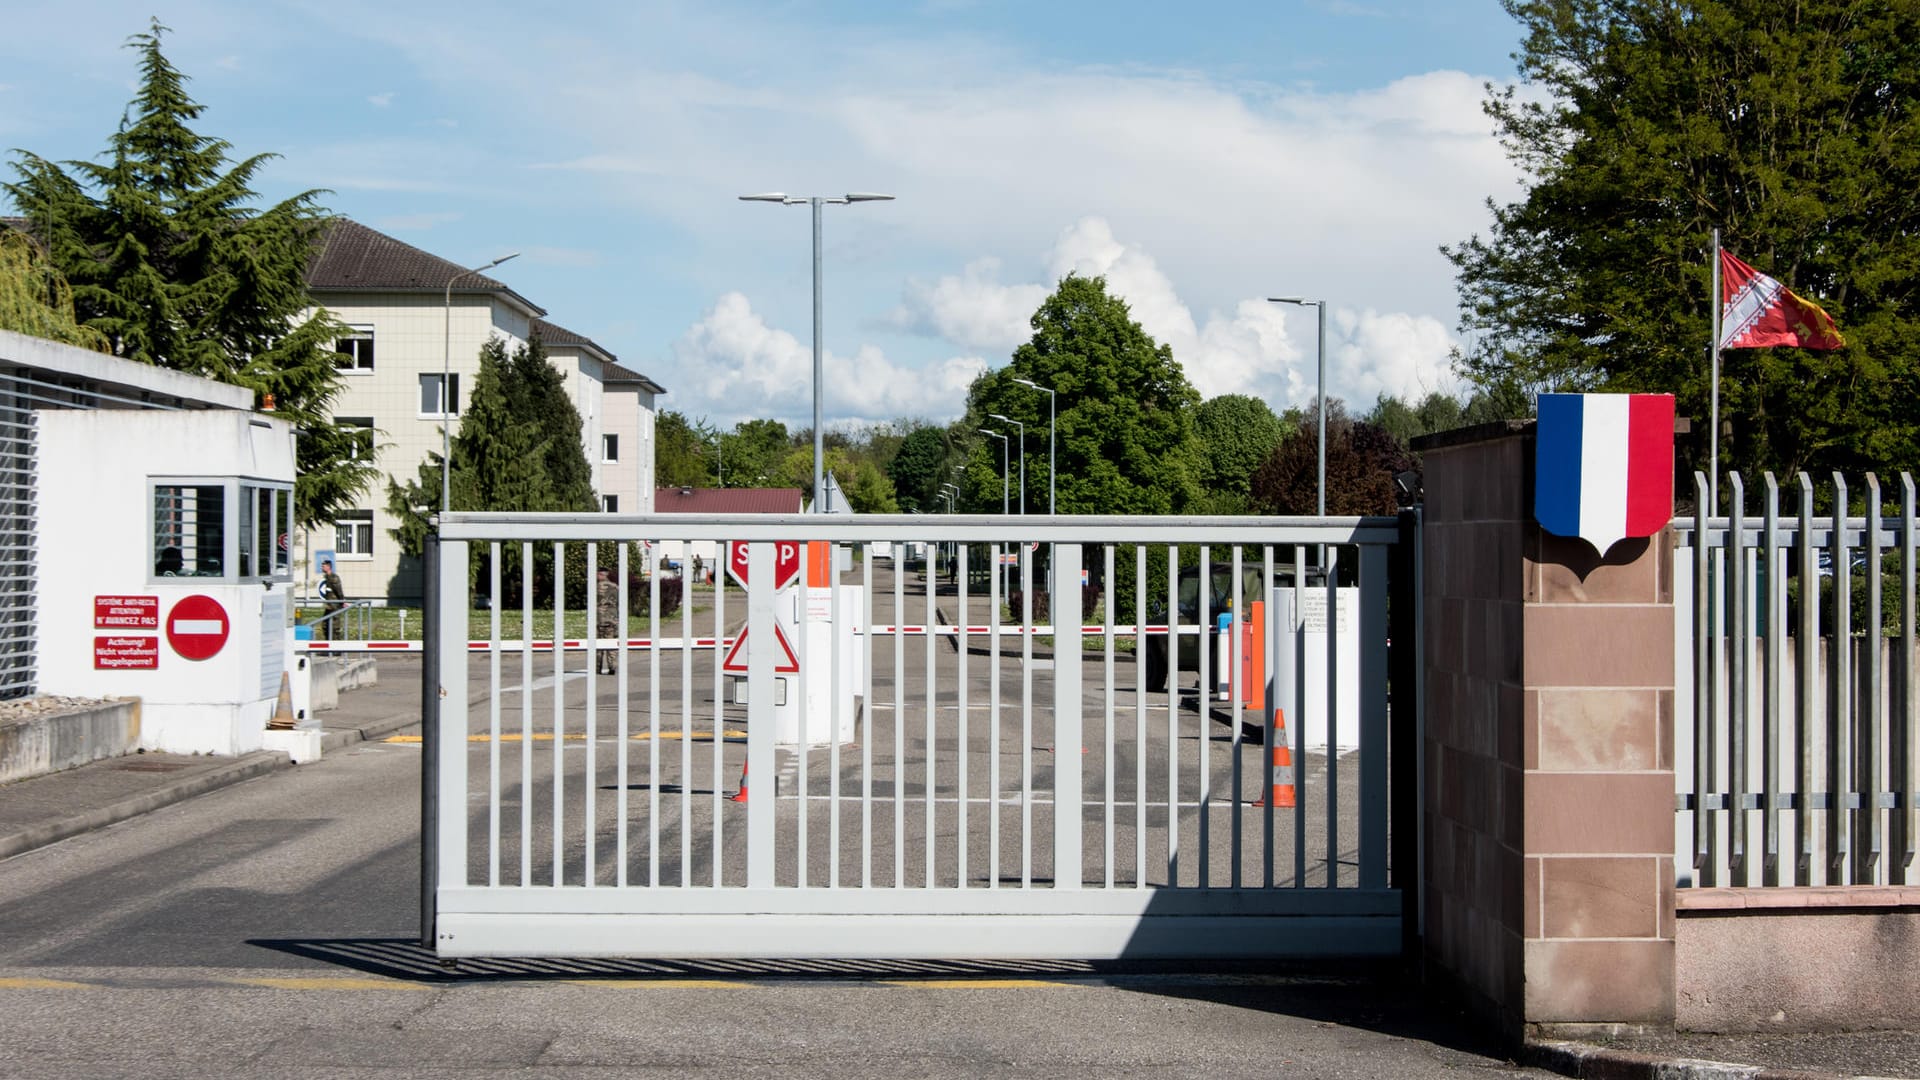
column 607, row 621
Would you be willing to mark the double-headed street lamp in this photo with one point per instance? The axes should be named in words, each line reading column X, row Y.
column 446, row 382
column 817, row 201
column 1050, row 417
column 1320, row 389
column 1022, row 433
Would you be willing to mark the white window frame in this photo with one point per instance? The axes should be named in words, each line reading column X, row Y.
column 356, row 333
column 241, row 499
column 354, row 519
column 609, row 504
column 362, row 425
column 420, row 398
column 610, row 447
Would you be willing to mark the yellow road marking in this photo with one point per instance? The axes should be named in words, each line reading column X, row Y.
column 972, row 984
column 663, row 983
column 572, row 736
column 30, row 983
column 327, row 982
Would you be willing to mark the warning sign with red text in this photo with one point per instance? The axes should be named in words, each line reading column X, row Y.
column 126, row 613
column 126, row 653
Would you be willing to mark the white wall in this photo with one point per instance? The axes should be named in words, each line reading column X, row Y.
column 94, row 538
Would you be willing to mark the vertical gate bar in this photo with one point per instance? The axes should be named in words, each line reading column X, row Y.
column 1869, row 845
column 1069, row 743
column 526, row 713
column 1236, row 676
column 724, row 553
column 450, row 787
column 1775, row 593
column 1702, row 678
column 1269, row 731
column 1373, row 716
column 1140, row 716
column 559, row 711
column 1297, row 729
column 493, row 714
column 1839, row 696
column 932, row 724
column 590, row 818
column 1203, row 707
column 899, row 717
column 1904, row 756
column 655, row 631
column 869, row 605
column 1026, row 716
column 960, row 767
column 718, row 766
column 993, row 716
column 761, row 731
column 1107, row 788
column 1739, row 649
column 1330, row 561
column 622, row 702
column 1805, row 655
column 841, row 620
column 803, row 687
column 433, row 614
column 1173, row 716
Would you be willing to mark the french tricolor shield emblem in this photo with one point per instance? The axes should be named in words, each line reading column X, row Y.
column 1603, row 467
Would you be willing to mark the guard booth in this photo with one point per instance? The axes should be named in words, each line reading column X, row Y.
column 164, row 568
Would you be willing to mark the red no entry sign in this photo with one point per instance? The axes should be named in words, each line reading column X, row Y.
column 197, row 627
column 786, row 563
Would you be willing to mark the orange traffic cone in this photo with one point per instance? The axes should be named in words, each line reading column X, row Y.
column 741, row 795
column 1280, row 789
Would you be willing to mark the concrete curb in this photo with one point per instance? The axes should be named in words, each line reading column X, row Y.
column 1598, row 1063
column 242, row 768
column 371, row 730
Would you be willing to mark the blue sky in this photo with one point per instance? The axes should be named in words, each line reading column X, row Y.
column 1201, row 155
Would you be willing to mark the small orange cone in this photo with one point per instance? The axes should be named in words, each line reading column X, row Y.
column 741, row 795
column 1281, row 760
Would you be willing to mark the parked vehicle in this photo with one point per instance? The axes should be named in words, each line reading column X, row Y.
column 1219, row 601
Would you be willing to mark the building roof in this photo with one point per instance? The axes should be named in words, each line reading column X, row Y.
column 680, row 500
column 353, row 258
column 617, row 374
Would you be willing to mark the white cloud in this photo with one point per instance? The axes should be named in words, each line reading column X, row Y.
column 380, row 101
column 970, row 309
column 731, row 365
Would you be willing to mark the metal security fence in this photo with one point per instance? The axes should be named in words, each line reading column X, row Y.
column 1796, row 738
column 1153, row 772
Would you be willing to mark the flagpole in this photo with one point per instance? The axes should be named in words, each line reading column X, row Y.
column 1713, row 431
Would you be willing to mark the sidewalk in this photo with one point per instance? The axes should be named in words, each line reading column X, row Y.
column 45, row 809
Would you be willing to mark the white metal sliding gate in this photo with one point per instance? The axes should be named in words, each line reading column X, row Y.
column 1009, row 787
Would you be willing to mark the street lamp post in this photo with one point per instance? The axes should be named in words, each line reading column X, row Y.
column 446, row 382
column 1320, row 391
column 816, row 202
column 1006, row 470
column 1022, row 434
column 1050, row 418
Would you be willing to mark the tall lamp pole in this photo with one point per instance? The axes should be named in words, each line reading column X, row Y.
column 1050, row 418
column 446, row 382
column 1006, row 471
column 1320, row 391
column 816, row 202
column 1022, row 433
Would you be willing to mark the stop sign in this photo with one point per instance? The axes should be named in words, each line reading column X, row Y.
column 786, row 563
column 197, row 627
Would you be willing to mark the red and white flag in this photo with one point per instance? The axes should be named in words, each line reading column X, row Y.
column 1757, row 312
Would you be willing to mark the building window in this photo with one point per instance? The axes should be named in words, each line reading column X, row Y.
column 609, row 448
column 353, row 534
column 361, row 447
column 354, row 352
column 431, row 402
column 233, row 530
column 610, row 504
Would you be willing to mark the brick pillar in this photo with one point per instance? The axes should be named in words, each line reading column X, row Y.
column 1548, row 751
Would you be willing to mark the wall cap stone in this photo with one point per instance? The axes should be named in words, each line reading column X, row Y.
column 1795, row 898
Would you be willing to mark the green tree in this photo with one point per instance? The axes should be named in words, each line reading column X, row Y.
column 35, row 298
column 1237, row 432
column 1125, row 438
column 1362, row 460
column 539, row 397
column 683, row 454
column 755, row 451
column 1794, row 128
column 920, row 466
column 173, row 263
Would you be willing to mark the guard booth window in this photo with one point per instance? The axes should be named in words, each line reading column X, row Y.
column 230, row 529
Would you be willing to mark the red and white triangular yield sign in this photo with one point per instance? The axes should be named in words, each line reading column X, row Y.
column 736, row 660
